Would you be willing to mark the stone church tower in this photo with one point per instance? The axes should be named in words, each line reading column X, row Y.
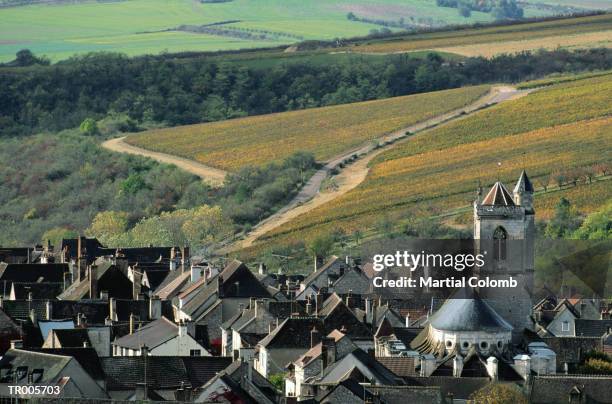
column 504, row 230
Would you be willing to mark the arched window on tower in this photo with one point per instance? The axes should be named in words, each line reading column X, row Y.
column 500, row 236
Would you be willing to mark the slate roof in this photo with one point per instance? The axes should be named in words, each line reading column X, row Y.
column 459, row 387
column 7, row 325
column 314, row 275
column 498, row 196
column 235, row 375
column 20, row 309
column 33, row 272
column 401, row 366
column 172, row 284
column 591, row 328
column 72, row 338
column 152, row 335
column 51, row 364
column 87, row 358
column 556, row 389
column 294, row 332
column 163, row 372
column 336, row 371
column 39, row 290
column 468, row 315
column 95, row 311
column 523, row 183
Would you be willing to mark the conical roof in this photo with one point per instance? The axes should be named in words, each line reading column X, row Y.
column 468, row 315
column 498, row 196
column 523, row 184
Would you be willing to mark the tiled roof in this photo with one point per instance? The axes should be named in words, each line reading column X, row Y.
column 498, row 196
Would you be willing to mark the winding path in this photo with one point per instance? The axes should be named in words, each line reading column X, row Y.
column 211, row 175
column 355, row 173
column 349, row 176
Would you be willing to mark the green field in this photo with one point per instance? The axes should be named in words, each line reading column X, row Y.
column 132, row 26
column 326, row 132
column 595, row 31
column 563, row 127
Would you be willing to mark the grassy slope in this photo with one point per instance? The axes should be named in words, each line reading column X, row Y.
column 326, row 131
column 490, row 35
column 562, row 126
column 64, row 29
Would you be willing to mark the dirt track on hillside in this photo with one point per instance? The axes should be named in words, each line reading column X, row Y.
column 354, row 174
column 211, row 175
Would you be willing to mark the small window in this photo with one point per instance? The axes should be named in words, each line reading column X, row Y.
column 484, row 345
column 565, row 326
column 194, row 352
column 449, row 344
column 465, row 345
column 500, row 344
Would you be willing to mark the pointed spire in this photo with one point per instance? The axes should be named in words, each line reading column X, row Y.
column 523, row 184
column 498, row 196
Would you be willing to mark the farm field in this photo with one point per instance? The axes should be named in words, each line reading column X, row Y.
column 326, row 131
column 138, row 26
column 592, row 31
column 558, row 128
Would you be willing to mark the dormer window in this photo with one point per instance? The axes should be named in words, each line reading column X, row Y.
column 499, row 244
column 565, row 326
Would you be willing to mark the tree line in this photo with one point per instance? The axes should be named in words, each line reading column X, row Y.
column 170, row 91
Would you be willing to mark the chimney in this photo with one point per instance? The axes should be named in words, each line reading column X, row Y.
column 314, row 337
column 330, row 349
column 407, row 320
column 368, row 310
column 93, row 281
column 324, row 357
column 458, row 365
column 428, row 365
column 351, row 301
column 492, row 367
column 112, row 309
column 33, row 316
column 318, row 302
column 184, row 251
column 308, row 306
column 172, row 259
column 182, row 329
column 131, row 323
column 30, row 296
column 259, row 308
column 155, row 308
column 522, row 365
column 318, row 262
column 250, row 366
column 48, row 310
column 81, row 320
column 262, row 269
column 67, row 280
column 16, row 344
